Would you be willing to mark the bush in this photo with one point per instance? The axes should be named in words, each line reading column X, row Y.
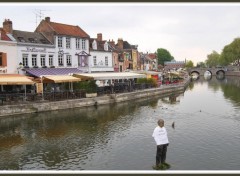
column 89, row 86
column 151, row 81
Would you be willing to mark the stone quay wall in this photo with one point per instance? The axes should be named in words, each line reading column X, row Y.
column 27, row 107
column 232, row 73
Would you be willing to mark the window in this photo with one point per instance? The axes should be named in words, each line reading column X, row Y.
column 60, row 40
column 32, row 40
column 42, row 59
column 69, row 60
column 60, row 60
column 94, row 45
column 83, row 44
column 77, row 43
column 21, row 39
column 34, row 60
column 50, row 57
column 25, row 60
column 106, row 46
column 106, row 61
column 44, row 41
column 94, row 60
column 68, row 44
column 1, row 59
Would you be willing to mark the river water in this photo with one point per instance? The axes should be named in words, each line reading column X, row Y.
column 119, row 137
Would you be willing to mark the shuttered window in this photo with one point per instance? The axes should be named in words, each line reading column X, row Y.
column 3, row 60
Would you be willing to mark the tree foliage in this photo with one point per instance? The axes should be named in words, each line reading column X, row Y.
column 213, row 59
column 231, row 53
column 163, row 56
column 189, row 64
column 201, row 64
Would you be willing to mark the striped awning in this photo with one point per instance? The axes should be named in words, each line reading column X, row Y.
column 15, row 79
column 38, row 72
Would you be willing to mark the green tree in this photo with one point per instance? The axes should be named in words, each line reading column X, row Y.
column 189, row 64
column 213, row 59
column 163, row 55
column 201, row 64
column 231, row 53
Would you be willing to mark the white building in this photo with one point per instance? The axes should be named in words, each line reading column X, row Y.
column 71, row 44
column 101, row 56
column 8, row 50
column 34, row 50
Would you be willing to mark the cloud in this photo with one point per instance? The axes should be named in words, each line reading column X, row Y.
column 186, row 30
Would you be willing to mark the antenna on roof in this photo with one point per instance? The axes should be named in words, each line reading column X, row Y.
column 39, row 15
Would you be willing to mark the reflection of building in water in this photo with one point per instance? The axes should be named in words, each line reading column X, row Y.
column 172, row 98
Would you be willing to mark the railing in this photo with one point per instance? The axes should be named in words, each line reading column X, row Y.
column 16, row 98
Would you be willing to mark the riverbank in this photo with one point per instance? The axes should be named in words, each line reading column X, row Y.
column 42, row 106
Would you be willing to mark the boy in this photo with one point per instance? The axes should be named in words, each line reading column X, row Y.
column 161, row 139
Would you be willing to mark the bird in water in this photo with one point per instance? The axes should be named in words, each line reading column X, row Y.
column 173, row 125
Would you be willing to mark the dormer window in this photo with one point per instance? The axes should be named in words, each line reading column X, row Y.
column 32, row 40
column 21, row 39
column 106, row 46
column 43, row 41
column 94, row 45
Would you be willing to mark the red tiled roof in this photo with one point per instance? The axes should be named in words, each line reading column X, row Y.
column 3, row 35
column 152, row 56
column 70, row 30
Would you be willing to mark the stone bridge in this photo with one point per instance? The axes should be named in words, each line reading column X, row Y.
column 201, row 71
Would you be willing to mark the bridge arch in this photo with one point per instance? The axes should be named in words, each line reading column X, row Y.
column 201, row 71
column 195, row 72
column 220, row 72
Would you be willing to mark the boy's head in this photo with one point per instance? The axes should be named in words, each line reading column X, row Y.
column 161, row 123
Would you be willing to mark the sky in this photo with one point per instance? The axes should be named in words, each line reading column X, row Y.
column 188, row 31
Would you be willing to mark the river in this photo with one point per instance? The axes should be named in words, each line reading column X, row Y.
column 119, row 136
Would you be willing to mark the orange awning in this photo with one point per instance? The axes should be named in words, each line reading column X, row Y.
column 15, row 79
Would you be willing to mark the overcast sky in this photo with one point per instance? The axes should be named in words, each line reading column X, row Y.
column 187, row 30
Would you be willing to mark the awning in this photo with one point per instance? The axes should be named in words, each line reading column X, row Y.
column 37, row 72
column 59, row 79
column 107, row 76
column 15, row 79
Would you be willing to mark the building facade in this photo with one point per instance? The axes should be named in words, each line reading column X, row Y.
column 8, row 49
column 101, row 55
column 71, row 44
column 34, row 50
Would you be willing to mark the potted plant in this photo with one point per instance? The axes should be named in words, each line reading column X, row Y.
column 91, row 89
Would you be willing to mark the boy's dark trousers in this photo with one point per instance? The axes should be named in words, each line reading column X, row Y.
column 161, row 154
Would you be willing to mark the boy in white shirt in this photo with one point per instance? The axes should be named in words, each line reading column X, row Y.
column 161, row 139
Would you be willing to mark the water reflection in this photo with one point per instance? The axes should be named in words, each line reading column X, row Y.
column 205, row 116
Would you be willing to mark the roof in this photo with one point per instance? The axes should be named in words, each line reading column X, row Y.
column 29, row 37
column 107, row 76
column 69, row 30
column 59, row 79
column 152, row 55
column 3, row 35
column 15, row 79
column 38, row 72
column 100, row 45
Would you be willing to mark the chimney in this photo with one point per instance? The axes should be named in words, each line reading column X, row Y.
column 99, row 37
column 112, row 42
column 120, row 43
column 7, row 26
column 47, row 19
